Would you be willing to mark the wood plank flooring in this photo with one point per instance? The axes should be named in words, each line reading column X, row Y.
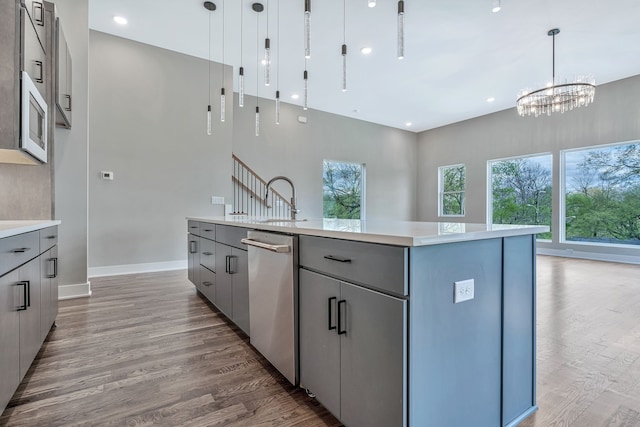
column 147, row 350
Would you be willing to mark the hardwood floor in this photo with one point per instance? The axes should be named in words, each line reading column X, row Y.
column 147, row 350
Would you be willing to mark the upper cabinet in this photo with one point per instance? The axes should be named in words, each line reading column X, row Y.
column 63, row 80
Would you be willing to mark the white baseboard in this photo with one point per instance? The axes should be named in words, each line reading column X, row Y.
column 117, row 270
column 82, row 290
column 595, row 256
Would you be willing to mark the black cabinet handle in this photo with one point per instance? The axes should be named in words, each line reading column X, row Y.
column 28, row 293
column 38, row 13
column 68, row 108
column 207, row 283
column 21, row 250
column 24, row 285
column 208, row 230
column 226, row 264
column 337, row 258
column 54, row 264
column 340, row 330
column 193, row 247
column 332, row 299
column 40, row 77
column 51, row 237
column 233, row 264
column 207, row 253
column 194, row 226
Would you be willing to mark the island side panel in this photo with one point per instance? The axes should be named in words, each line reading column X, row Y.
column 455, row 349
column 519, row 329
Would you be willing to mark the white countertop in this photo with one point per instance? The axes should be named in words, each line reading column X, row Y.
column 399, row 233
column 12, row 228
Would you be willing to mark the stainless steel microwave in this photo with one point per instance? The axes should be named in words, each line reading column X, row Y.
column 33, row 138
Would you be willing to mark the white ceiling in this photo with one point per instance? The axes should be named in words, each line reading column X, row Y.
column 457, row 52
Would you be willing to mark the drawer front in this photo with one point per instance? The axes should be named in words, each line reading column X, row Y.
column 48, row 238
column 36, row 13
column 208, row 254
column 193, row 227
column 380, row 267
column 231, row 236
column 17, row 250
column 208, row 284
column 208, row 231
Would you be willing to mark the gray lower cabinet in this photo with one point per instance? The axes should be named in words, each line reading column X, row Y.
column 232, row 286
column 30, row 303
column 193, row 258
column 353, row 350
column 9, row 337
column 48, row 290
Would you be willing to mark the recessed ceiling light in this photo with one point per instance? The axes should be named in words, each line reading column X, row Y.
column 120, row 20
column 366, row 50
column 408, row 124
column 295, row 96
column 371, row 3
column 496, row 6
column 491, row 99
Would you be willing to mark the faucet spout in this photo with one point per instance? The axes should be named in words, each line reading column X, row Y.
column 294, row 210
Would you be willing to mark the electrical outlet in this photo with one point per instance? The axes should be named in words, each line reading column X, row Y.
column 463, row 290
column 215, row 200
column 108, row 175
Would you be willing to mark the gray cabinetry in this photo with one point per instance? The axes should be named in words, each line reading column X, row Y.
column 193, row 258
column 64, row 96
column 353, row 350
column 28, row 303
column 232, row 287
column 34, row 58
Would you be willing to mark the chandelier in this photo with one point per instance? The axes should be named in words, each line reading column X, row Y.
column 556, row 97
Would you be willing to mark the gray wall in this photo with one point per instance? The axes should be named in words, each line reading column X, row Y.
column 613, row 117
column 147, row 125
column 71, row 151
column 297, row 150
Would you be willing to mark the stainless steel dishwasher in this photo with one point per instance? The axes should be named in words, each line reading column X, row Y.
column 272, row 296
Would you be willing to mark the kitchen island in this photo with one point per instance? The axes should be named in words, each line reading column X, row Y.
column 409, row 323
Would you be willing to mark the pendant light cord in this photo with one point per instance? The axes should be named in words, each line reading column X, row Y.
column 257, row 56
column 241, row 32
column 278, row 46
column 209, row 56
column 223, row 44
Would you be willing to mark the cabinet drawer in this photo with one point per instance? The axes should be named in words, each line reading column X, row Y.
column 17, row 250
column 208, row 231
column 208, row 284
column 208, row 254
column 48, row 238
column 36, row 14
column 376, row 266
column 231, row 236
column 34, row 60
column 193, row 227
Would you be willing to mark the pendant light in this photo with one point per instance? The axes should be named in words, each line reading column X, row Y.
column 267, row 53
column 344, row 45
column 307, row 29
column 497, row 6
column 401, row 29
column 210, row 6
column 241, row 70
column 278, row 64
column 257, row 7
column 222, row 95
column 305, row 76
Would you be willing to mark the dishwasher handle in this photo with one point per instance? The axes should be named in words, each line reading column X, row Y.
column 273, row 248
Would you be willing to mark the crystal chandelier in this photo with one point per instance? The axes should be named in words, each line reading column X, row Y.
column 556, row 97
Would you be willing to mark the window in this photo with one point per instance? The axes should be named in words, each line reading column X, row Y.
column 343, row 190
column 521, row 191
column 451, row 183
column 602, row 194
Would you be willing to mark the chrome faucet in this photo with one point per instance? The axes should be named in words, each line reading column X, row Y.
column 294, row 210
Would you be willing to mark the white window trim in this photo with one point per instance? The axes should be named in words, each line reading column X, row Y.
column 441, row 191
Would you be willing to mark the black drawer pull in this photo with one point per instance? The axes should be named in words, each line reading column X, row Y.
column 193, row 247
column 55, row 268
column 23, row 307
column 21, row 250
column 208, row 230
column 68, row 97
column 38, row 13
column 340, row 330
column 332, row 299
column 337, row 258
column 194, row 226
column 207, row 253
column 51, row 237
column 40, row 77
column 207, row 283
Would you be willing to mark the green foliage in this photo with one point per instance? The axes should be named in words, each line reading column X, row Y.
column 342, row 190
column 453, row 190
column 603, row 198
column 521, row 190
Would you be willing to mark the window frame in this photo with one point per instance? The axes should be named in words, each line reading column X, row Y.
column 363, row 188
column 441, row 192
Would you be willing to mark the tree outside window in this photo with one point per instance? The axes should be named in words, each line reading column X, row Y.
column 602, row 195
column 452, row 184
column 521, row 191
column 342, row 185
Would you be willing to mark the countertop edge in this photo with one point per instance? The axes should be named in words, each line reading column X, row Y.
column 388, row 239
column 13, row 228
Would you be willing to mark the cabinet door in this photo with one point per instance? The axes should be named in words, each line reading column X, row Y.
column 224, row 287
column 207, row 284
column 319, row 341
column 240, row 277
column 63, row 81
column 193, row 258
column 373, row 358
column 9, row 337
column 48, row 290
column 53, row 308
column 30, row 336
column 34, row 58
